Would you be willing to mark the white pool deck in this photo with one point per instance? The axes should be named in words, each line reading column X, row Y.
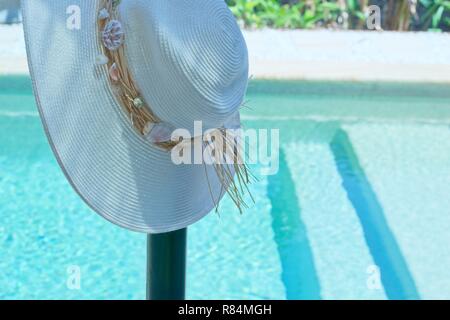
column 312, row 55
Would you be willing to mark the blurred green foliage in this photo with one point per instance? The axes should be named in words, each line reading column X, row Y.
column 342, row 14
column 436, row 14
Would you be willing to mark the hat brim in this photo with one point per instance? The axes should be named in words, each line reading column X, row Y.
column 116, row 172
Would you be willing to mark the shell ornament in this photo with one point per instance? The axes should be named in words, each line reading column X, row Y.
column 158, row 132
column 112, row 35
column 114, row 72
column 103, row 14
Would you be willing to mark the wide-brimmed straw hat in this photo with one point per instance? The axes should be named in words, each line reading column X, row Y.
column 113, row 79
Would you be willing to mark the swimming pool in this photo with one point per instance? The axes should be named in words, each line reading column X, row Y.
column 364, row 183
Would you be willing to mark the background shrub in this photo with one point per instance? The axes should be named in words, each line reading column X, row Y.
column 399, row 15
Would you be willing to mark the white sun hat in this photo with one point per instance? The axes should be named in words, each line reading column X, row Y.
column 113, row 78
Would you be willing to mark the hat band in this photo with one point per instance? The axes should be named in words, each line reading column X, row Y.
column 112, row 37
column 143, row 119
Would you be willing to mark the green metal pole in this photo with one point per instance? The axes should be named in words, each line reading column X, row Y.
column 166, row 265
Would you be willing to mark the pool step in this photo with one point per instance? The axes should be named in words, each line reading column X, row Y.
column 342, row 259
column 394, row 272
column 298, row 270
column 408, row 168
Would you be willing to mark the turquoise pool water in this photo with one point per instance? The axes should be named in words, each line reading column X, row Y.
column 364, row 183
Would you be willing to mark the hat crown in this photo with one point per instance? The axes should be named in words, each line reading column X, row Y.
column 189, row 59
